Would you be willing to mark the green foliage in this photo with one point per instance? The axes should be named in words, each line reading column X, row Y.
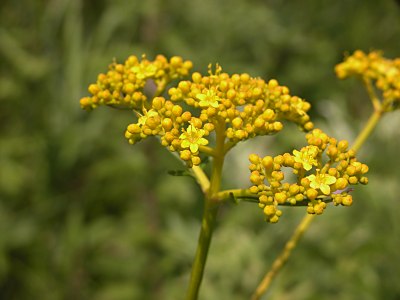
column 85, row 216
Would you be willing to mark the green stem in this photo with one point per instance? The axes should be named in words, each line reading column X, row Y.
column 211, row 207
column 283, row 257
column 367, row 130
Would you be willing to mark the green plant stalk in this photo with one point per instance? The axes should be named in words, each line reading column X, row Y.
column 367, row 130
column 208, row 222
column 282, row 258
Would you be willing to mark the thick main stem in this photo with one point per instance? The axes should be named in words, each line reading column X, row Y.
column 208, row 222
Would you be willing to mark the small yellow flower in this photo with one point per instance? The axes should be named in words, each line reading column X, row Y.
column 306, row 157
column 192, row 138
column 208, row 99
column 321, row 182
column 147, row 114
column 143, row 71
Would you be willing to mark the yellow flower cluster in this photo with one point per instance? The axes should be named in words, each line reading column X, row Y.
column 124, row 84
column 385, row 73
column 178, row 130
column 240, row 106
column 248, row 106
column 324, row 169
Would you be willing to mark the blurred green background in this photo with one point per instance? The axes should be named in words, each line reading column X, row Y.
column 83, row 215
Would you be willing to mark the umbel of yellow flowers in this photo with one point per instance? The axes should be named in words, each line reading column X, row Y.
column 189, row 115
column 324, row 170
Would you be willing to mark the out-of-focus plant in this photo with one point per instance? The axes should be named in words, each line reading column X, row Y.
column 207, row 116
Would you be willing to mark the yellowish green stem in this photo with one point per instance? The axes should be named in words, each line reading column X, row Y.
column 367, row 130
column 283, row 257
column 237, row 193
column 201, row 178
column 304, row 224
column 211, row 207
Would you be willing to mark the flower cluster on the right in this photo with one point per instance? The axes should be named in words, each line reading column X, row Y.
column 373, row 67
column 324, row 169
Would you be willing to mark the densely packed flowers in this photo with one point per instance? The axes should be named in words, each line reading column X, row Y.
column 244, row 107
column 208, row 115
column 324, row 169
column 374, row 68
column 124, row 84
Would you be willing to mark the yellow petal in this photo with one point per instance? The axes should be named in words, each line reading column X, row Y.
column 185, row 144
column 325, row 189
column 194, row 148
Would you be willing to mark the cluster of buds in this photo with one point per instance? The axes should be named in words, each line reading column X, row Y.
column 373, row 67
column 324, row 170
column 240, row 106
column 124, row 84
column 248, row 106
column 245, row 106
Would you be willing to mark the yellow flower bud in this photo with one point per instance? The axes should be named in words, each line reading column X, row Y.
column 353, row 180
column 269, row 210
column 186, row 116
column 176, row 61
column 280, row 197
column 347, row 200
column 253, row 189
column 278, row 126
column 167, row 124
column 196, row 160
column 196, row 77
column 294, row 189
column 312, row 194
column 256, row 178
column 341, row 183
column 343, row 145
column 237, row 123
column 264, row 199
column 268, row 162
column 254, row 158
column 185, row 155
column 177, row 110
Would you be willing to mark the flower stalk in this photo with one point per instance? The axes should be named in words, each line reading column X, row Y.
column 211, row 206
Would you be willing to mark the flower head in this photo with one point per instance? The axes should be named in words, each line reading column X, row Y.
column 192, row 138
column 144, row 70
column 208, row 99
column 321, row 182
column 306, row 157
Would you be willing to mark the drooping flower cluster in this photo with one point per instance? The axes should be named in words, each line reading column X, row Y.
column 385, row 73
column 324, row 169
column 123, row 85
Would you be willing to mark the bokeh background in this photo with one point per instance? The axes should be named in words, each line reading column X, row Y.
column 84, row 215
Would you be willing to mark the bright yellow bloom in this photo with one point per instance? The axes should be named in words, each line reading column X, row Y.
column 306, row 157
column 321, row 182
column 143, row 71
column 192, row 138
column 208, row 99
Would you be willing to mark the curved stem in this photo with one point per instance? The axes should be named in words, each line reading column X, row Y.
column 211, row 207
column 207, row 150
column 201, row 178
column 283, row 257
